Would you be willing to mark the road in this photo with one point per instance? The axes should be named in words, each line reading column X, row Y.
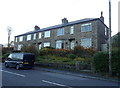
column 39, row 78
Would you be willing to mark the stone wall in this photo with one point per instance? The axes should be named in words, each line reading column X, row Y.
column 97, row 36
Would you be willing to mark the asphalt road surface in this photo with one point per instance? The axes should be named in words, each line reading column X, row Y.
column 38, row 78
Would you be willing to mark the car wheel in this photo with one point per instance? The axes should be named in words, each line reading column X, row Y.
column 6, row 65
column 18, row 67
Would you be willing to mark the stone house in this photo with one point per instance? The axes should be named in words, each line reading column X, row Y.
column 89, row 32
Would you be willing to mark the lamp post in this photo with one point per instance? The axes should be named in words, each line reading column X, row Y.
column 110, row 46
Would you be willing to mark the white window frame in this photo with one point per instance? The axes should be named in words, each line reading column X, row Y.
column 47, row 34
column 40, row 35
column 34, row 36
column 28, row 37
column 86, row 42
column 60, row 31
column 86, row 27
column 46, row 44
column 72, row 30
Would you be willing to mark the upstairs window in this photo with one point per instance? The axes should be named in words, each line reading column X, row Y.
column 34, row 36
column 72, row 30
column 47, row 34
column 60, row 31
column 28, row 37
column 86, row 27
column 40, row 35
column 20, row 38
column 86, row 42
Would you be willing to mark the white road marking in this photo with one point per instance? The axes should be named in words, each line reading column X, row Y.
column 13, row 73
column 55, row 83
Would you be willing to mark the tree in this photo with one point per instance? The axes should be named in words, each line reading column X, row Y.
column 9, row 34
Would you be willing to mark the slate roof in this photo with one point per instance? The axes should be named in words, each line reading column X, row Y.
column 61, row 25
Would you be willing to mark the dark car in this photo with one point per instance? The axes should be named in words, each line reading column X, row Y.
column 20, row 60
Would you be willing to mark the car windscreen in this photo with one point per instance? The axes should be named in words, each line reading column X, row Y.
column 29, row 57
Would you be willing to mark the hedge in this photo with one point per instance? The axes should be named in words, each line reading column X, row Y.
column 101, row 62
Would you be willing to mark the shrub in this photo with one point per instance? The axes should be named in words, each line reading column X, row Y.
column 83, row 52
column 5, row 56
column 43, row 51
column 116, row 62
column 101, row 62
column 29, row 49
column 71, row 56
column 78, row 51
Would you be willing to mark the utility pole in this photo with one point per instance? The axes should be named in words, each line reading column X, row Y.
column 110, row 46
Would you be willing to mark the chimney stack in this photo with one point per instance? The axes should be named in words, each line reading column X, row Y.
column 36, row 27
column 102, row 18
column 64, row 21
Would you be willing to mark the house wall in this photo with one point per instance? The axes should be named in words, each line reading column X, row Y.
column 97, row 36
column 102, row 38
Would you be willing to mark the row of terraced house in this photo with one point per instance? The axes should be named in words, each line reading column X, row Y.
column 89, row 32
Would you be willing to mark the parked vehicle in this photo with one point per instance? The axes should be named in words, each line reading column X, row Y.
column 20, row 60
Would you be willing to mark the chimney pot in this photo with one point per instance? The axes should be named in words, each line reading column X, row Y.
column 64, row 21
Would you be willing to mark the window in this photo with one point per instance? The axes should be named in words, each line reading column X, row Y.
column 47, row 34
column 59, row 44
column 46, row 44
column 86, row 42
column 105, row 31
column 60, row 31
column 86, row 27
column 10, row 56
column 40, row 35
column 34, row 36
column 72, row 44
column 28, row 37
column 72, row 30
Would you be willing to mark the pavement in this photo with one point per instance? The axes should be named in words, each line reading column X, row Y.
column 82, row 74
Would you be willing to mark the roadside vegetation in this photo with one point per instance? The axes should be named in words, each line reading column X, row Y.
column 63, row 56
column 101, row 63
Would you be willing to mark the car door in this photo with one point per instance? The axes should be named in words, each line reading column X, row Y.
column 14, row 60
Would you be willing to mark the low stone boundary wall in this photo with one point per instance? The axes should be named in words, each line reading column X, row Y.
column 77, row 66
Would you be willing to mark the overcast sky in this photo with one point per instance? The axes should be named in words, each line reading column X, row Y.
column 23, row 15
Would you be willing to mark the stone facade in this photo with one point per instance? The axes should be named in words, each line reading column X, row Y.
column 98, row 35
